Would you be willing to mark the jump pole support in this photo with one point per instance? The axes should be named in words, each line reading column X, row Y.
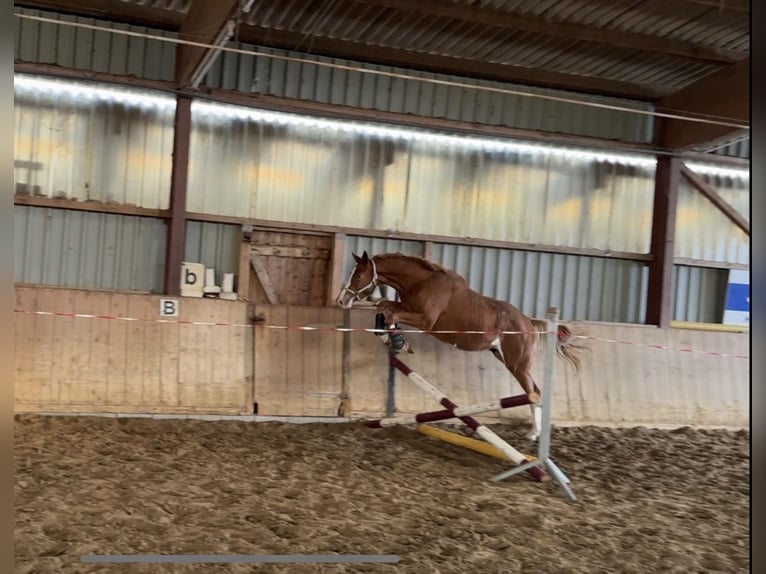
column 445, row 414
column 532, row 467
column 544, row 440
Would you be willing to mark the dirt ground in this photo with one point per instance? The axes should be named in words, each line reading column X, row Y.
column 648, row 500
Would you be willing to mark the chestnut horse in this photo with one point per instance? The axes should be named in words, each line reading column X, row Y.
column 434, row 298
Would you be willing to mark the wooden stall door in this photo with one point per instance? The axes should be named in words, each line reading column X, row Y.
column 289, row 268
column 298, row 372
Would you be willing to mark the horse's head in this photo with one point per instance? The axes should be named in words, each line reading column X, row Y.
column 360, row 283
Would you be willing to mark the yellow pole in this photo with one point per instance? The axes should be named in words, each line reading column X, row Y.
column 464, row 441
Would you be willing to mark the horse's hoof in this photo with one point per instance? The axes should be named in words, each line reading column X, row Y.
column 533, row 436
column 398, row 342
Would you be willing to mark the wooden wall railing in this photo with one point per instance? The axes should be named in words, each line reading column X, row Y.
column 68, row 364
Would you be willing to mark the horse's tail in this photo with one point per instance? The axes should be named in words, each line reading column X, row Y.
column 566, row 346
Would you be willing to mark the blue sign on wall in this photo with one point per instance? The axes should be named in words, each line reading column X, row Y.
column 737, row 308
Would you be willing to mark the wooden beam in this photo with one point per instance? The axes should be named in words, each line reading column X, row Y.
column 659, row 303
column 483, row 16
column 290, row 252
column 205, row 21
column 92, row 206
column 243, row 274
column 715, row 198
column 263, row 277
column 706, row 263
column 349, row 50
column 724, row 94
column 176, row 234
column 335, row 269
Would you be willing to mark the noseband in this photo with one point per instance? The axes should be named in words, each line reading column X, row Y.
column 362, row 291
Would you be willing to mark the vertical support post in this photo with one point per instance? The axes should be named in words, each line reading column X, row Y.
column 335, row 270
column 391, row 387
column 176, row 232
column 659, row 300
column 428, row 250
column 544, row 440
column 344, row 408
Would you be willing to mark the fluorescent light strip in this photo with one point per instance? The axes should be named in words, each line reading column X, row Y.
column 225, row 111
column 716, row 170
column 29, row 84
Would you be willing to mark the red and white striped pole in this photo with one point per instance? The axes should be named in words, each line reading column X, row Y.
column 445, row 414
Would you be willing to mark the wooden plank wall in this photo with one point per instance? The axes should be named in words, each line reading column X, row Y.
column 619, row 382
column 298, row 372
column 104, row 365
column 100, row 365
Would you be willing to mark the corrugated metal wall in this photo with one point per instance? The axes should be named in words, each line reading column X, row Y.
column 702, row 231
column 313, row 81
column 214, row 245
column 90, row 250
column 699, row 294
column 583, row 288
column 75, row 141
column 92, row 50
column 285, row 167
column 108, row 251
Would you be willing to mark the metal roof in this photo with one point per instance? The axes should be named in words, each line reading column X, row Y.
column 641, row 49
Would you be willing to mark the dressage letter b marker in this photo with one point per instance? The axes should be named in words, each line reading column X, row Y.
column 169, row 307
column 190, row 277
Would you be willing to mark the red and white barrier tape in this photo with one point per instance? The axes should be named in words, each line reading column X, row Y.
column 362, row 330
column 135, row 319
column 662, row 347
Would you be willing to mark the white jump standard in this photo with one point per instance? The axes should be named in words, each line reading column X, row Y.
column 534, row 466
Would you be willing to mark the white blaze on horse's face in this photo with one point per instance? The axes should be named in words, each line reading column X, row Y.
column 358, row 285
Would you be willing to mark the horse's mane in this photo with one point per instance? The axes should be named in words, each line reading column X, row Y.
column 424, row 263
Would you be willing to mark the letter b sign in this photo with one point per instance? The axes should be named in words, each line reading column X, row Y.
column 168, row 307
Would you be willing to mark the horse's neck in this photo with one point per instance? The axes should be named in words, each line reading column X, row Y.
column 400, row 273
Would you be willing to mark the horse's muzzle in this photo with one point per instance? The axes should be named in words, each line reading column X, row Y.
column 345, row 300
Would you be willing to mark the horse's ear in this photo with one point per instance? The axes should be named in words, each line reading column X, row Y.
column 356, row 257
column 365, row 257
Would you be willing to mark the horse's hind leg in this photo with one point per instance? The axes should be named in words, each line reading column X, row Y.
column 528, row 384
column 517, row 360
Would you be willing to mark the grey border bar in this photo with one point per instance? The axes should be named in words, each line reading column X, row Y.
column 242, row 558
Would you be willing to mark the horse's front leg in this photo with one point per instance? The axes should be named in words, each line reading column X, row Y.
column 390, row 314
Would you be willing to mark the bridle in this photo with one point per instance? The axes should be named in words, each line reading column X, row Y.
column 362, row 291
